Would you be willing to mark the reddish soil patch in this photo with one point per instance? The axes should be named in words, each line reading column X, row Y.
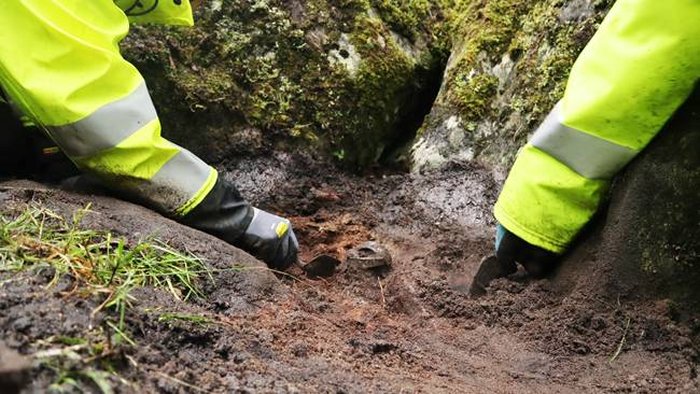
column 329, row 233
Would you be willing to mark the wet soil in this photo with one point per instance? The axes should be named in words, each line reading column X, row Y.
column 410, row 328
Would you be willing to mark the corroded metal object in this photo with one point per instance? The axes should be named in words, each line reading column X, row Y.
column 369, row 255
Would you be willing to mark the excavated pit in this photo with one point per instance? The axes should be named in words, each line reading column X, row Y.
column 409, row 328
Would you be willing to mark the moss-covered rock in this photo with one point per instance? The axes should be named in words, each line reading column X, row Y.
column 336, row 75
column 651, row 230
column 508, row 67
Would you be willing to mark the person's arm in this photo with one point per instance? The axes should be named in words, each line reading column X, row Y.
column 637, row 70
column 60, row 63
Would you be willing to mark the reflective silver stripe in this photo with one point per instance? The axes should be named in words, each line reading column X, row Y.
column 178, row 181
column 588, row 155
column 264, row 226
column 106, row 127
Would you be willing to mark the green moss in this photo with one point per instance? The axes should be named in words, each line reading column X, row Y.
column 269, row 66
column 474, row 94
column 405, row 17
column 484, row 30
column 550, row 48
column 383, row 75
column 654, row 207
column 209, row 85
column 266, row 66
column 488, row 26
column 540, row 48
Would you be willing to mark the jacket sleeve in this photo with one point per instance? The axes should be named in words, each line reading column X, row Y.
column 641, row 65
column 94, row 104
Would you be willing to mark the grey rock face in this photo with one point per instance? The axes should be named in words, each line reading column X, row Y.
column 507, row 69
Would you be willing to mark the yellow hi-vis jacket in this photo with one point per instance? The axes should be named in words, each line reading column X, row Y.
column 640, row 66
column 60, row 65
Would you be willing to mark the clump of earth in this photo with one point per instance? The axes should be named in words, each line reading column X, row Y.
column 409, row 327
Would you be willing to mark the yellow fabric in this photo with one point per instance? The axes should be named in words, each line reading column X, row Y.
column 281, row 229
column 559, row 201
column 60, row 62
column 139, row 157
column 638, row 69
column 165, row 12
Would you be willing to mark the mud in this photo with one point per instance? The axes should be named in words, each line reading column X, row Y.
column 411, row 328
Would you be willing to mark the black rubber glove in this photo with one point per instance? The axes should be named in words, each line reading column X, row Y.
column 510, row 249
column 225, row 214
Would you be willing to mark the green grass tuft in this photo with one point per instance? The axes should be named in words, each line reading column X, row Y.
column 101, row 262
column 102, row 265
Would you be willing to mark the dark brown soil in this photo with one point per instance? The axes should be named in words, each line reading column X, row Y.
column 411, row 328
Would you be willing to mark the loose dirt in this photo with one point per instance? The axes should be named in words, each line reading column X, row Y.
column 411, row 328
